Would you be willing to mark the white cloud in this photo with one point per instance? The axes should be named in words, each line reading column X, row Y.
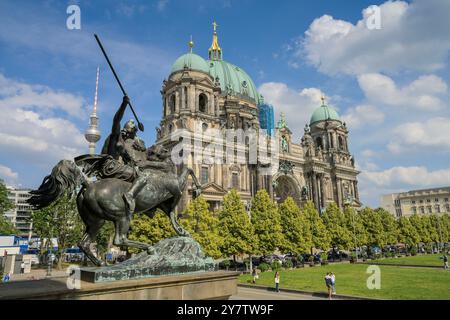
column 412, row 36
column 15, row 94
column 129, row 10
column 8, row 175
column 363, row 115
column 32, row 133
column 433, row 133
column 161, row 5
column 412, row 177
column 297, row 105
column 421, row 94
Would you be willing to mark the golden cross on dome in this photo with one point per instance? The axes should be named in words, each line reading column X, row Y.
column 215, row 25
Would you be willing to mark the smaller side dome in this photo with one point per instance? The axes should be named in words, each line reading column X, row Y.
column 190, row 61
column 324, row 113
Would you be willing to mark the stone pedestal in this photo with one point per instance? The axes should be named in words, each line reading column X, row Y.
column 195, row 286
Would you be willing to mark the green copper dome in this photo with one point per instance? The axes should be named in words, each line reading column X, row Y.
column 190, row 61
column 324, row 113
column 233, row 80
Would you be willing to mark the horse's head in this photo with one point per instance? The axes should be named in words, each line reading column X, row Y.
column 159, row 151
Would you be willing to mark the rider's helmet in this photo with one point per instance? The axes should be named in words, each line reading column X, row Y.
column 130, row 127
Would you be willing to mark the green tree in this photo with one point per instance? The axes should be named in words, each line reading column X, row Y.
column 105, row 238
column 374, row 227
column 390, row 230
column 419, row 224
column 444, row 227
column 59, row 220
column 266, row 222
column 320, row 239
column 336, row 224
column 407, row 233
column 150, row 230
column 355, row 224
column 203, row 226
column 6, row 227
column 235, row 227
column 295, row 228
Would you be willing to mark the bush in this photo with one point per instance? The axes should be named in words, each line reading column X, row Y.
column 275, row 266
column 288, row 264
column 263, row 267
column 413, row 251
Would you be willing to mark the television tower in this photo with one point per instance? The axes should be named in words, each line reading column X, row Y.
column 92, row 134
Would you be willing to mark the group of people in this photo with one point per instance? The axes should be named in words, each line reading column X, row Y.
column 330, row 281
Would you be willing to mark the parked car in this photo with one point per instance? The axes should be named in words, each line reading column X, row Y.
column 337, row 255
column 271, row 258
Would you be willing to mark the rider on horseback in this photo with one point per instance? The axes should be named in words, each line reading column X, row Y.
column 124, row 145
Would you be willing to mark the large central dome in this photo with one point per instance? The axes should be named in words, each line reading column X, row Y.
column 232, row 79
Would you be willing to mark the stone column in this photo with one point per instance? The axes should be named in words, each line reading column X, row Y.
column 322, row 190
column 316, row 191
column 356, row 189
column 335, row 141
column 182, row 106
column 339, row 192
column 191, row 98
column 210, row 104
column 166, row 107
column 177, row 101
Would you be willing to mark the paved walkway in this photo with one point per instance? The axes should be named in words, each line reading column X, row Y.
column 38, row 274
column 261, row 294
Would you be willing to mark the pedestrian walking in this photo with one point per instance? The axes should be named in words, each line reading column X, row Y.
column 328, row 284
column 22, row 267
column 277, row 281
column 445, row 262
column 333, row 283
column 255, row 275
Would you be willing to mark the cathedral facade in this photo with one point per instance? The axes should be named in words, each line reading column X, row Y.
column 202, row 96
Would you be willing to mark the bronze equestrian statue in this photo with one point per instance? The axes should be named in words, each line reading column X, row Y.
column 130, row 179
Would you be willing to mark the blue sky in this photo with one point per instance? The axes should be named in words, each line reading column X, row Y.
column 390, row 84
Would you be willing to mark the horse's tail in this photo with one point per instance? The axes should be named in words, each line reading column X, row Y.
column 64, row 179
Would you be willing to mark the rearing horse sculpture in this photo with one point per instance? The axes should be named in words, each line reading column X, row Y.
column 103, row 200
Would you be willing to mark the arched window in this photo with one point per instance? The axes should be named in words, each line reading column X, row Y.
column 204, row 175
column 341, row 143
column 202, row 102
column 235, row 180
column 319, row 142
column 172, row 103
column 204, row 126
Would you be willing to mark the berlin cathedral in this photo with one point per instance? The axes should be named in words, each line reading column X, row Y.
column 218, row 95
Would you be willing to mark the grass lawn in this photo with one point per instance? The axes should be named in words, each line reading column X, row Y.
column 396, row 282
column 419, row 260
